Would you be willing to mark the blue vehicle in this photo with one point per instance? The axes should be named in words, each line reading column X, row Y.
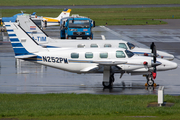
column 75, row 27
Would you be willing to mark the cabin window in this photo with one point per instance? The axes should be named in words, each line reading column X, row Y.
column 81, row 46
column 131, row 46
column 120, row 54
column 74, row 55
column 129, row 53
column 122, row 45
column 103, row 55
column 107, row 45
column 88, row 55
column 94, row 45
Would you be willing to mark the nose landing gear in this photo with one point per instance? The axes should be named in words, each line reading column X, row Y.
column 150, row 81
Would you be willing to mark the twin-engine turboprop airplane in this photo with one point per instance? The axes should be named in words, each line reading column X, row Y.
column 86, row 60
column 42, row 38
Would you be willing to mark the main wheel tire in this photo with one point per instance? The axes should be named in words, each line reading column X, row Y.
column 107, row 84
column 112, row 78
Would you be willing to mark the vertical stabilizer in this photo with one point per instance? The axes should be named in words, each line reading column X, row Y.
column 64, row 13
column 22, row 43
column 32, row 29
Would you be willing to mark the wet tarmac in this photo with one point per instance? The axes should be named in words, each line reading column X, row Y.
column 17, row 76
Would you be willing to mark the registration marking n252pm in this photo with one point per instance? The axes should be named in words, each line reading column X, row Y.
column 54, row 59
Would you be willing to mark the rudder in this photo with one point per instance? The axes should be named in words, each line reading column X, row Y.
column 22, row 43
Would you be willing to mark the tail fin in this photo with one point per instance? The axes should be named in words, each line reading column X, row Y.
column 23, row 45
column 64, row 13
column 32, row 29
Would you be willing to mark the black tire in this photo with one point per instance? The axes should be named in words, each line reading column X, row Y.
column 150, row 82
column 107, row 84
column 112, row 78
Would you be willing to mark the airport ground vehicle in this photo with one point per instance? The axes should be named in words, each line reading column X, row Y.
column 76, row 27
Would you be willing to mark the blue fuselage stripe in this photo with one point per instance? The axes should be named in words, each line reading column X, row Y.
column 37, row 58
column 141, row 53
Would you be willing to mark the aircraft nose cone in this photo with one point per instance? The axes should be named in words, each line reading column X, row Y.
column 167, row 65
column 175, row 65
column 170, row 57
column 165, row 55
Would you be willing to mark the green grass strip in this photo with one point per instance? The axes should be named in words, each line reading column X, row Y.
column 51, row 105
column 83, row 2
column 111, row 16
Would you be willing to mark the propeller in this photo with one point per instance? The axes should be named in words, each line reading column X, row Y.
column 154, row 63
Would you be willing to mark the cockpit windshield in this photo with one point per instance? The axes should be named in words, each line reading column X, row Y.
column 131, row 46
column 129, row 53
column 79, row 24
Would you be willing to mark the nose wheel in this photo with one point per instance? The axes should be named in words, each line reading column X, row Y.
column 150, row 81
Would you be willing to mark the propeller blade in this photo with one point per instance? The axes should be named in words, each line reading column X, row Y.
column 153, row 48
column 154, row 52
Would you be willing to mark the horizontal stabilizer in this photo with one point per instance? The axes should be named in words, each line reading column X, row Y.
column 25, row 56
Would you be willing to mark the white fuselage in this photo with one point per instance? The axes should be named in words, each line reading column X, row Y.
column 62, row 59
column 104, row 44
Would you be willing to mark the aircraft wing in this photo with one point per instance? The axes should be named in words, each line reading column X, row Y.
column 100, row 62
column 110, row 63
column 91, row 68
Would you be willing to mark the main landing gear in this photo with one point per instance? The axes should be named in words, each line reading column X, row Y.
column 110, row 83
column 108, row 77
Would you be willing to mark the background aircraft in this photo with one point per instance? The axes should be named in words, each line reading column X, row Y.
column 56, row 21
column 48, row 21
column 87, row 60
column 42, row 38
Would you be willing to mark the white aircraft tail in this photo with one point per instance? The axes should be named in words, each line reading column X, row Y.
column 23, row 45
column 64, row 13
column 33, row 29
